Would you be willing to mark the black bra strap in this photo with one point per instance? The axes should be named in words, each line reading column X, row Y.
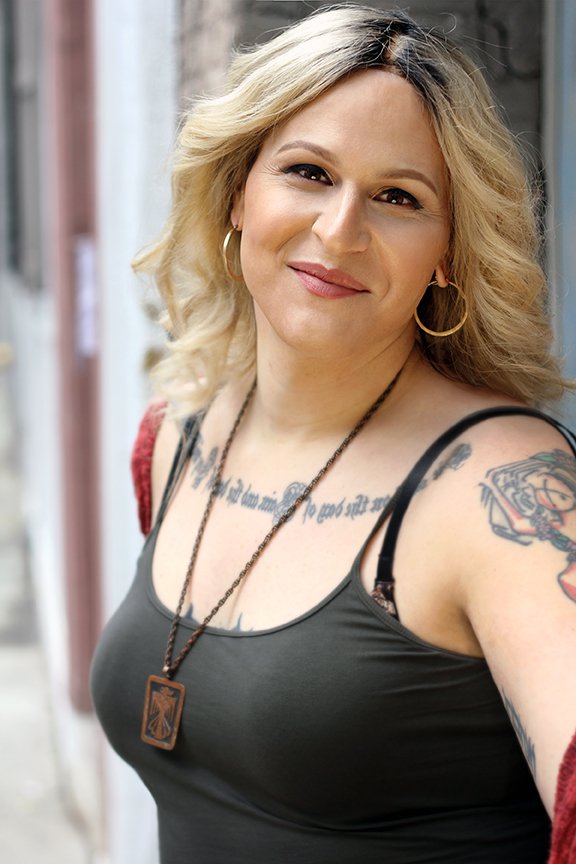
column 181, row 456
column 418, row 472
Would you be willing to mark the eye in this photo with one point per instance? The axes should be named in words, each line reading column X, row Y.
column 399, row 198
column 308, row 172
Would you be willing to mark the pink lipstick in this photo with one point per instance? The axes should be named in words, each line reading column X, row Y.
column 324, row 282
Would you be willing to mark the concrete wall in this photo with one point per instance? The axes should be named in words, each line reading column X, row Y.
column 136, row 108
column 135, row 78
column 27, row 299
column 559, row 149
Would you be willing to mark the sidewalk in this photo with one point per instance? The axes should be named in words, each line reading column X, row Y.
column 34, row 823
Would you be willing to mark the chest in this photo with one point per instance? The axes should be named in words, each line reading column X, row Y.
column 309, row 555
column 338, row 716
column 294, row 562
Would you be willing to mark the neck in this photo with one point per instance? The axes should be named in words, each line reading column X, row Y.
column 313, row 399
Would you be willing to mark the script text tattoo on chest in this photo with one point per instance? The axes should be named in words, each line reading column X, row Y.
column 236, row 491
column 535, row 500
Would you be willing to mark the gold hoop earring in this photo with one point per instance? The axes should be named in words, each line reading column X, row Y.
column 451, row 330
column 235, row 276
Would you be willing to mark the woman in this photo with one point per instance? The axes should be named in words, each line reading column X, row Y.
column 335, row 645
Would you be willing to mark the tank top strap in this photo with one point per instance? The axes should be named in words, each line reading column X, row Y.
column 181, row 456
column 403, row 496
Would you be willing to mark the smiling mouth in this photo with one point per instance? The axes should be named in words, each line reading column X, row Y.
column 326, row 282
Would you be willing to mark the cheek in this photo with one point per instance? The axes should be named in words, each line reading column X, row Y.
column 413, row 250
column 259, row 255
column 267, row 233
column 262, row 226
column 262, row 195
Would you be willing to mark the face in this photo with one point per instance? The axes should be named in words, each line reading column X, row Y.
column 344, row 219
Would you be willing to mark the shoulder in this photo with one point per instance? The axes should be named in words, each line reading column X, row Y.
column 152, row 454
column 513, row 471
column 505, row 443
column 495, row 426
column 167, row 440
column 511, row 513
column 497, row 423
column 508, row 425
column 513, row 447
column 512, row 432
column 523, row 484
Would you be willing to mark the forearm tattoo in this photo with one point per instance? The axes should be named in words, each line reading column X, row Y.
column 525, row 741
column 535, row 500
column 236, row 491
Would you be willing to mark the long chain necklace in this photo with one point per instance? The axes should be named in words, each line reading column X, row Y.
column 164, row 697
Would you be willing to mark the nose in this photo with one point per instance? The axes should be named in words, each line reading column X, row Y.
column 342, row 223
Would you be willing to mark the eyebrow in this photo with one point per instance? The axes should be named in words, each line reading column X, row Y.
column 395, row 174
column 300, row 144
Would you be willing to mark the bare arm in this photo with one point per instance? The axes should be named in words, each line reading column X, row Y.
column 521, row 594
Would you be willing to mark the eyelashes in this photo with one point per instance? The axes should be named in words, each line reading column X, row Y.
column 308, row 172
column 393, row 195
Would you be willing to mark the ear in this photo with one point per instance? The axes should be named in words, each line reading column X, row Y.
column 440, row 275
column 237, row 212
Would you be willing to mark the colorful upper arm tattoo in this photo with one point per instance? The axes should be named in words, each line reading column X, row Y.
column 530, row 500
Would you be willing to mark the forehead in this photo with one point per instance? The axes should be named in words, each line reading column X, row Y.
column 372, row 111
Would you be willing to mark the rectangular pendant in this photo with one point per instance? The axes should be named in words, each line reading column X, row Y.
column 162, row 712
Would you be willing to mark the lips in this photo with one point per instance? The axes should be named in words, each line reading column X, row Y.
column 328, row 282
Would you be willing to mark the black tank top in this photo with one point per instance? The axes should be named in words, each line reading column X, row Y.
column 337, row 738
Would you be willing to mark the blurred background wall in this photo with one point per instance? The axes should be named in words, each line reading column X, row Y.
column 90, row 96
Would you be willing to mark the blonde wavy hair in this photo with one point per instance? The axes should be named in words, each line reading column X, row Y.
column 493, row 253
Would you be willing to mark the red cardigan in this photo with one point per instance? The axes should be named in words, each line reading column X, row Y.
column 141, row 462
column 563, row 848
